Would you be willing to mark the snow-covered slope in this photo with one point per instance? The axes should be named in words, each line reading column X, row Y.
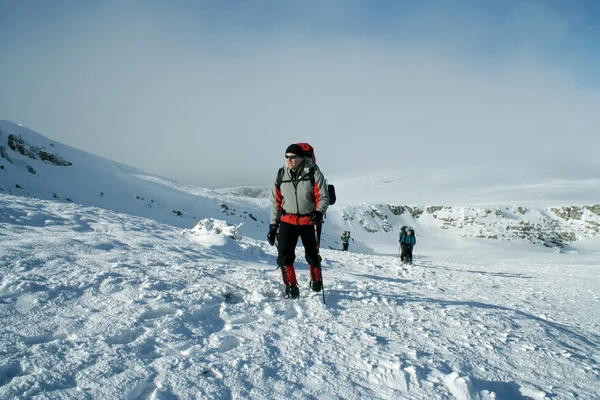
column 560, row 227
column 100, row 305
column 517, row 184
column 28, row 169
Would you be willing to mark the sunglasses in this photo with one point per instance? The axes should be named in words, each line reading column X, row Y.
column 291, row 157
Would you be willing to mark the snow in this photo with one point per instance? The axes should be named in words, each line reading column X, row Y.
column 105, row 297
column 479, row 185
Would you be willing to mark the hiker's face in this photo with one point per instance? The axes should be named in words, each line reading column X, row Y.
column 292, row 161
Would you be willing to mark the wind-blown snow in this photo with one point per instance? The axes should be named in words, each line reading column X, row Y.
column 96, row 304
column 101, row 301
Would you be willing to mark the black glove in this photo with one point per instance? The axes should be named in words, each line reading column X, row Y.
column 272, row 234
column 316, row 217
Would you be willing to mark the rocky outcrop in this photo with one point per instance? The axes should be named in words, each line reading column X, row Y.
column 551, row 227
column 18, row 144
column 373, row 220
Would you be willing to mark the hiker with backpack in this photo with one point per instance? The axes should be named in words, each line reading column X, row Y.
column 299, row 201
column 346, row 240
column 407, row 242
column 402, row 234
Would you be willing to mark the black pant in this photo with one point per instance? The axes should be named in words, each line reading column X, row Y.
column 406, row 253
column 345, row 246
column 288, row 238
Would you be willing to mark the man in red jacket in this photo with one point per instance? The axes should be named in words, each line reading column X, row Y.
column 298, row 205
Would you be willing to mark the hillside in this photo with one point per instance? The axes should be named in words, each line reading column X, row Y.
column 34, row 166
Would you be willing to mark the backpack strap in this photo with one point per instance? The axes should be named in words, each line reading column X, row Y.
column 310, row 175
column 280, row 176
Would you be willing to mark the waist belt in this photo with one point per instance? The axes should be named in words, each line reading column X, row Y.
column 283, row 212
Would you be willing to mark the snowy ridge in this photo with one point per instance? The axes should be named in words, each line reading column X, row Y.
column 553, row 226
column 94, row 181
column 537, row 186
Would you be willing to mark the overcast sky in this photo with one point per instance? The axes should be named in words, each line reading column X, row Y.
column 212, row 92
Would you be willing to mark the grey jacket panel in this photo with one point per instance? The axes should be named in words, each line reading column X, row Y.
column 296, row 194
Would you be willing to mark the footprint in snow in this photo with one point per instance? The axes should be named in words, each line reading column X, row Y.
column 292, row 312
column 10, row 371
column 158, row 313
column 233, row 298
column 228, row 343
column 126, row 336
column 41, row 339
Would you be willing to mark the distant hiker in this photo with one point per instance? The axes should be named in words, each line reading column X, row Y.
column 402, row 232
column 407, row 242
column 346, row 240
column 298, row 203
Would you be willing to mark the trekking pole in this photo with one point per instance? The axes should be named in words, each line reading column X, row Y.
column 320, row 266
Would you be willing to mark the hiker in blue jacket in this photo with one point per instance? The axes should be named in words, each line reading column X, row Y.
column 407, row 242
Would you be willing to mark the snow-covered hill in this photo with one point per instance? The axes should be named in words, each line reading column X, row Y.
column 27, row 168
column 518, row 183
column 559, row 227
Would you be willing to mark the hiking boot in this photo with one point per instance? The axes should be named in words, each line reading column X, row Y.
column 292, row 292
column 316, row 286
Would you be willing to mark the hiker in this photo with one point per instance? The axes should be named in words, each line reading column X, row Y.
column 298, row 205
column 402, row 234
column 407, row 242
column 346, row 240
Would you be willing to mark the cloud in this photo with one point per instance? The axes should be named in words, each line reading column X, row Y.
column 213, row 97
